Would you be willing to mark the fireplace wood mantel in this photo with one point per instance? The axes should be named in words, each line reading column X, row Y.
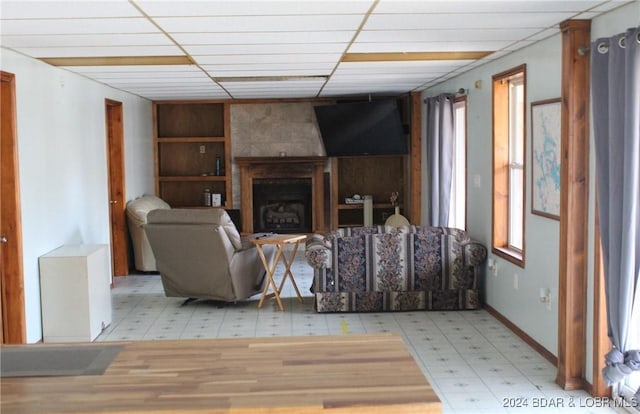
column 281, row 167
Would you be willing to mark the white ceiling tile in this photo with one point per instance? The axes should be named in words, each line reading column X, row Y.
column 275, row 37
column 140, row 39
column 180, row 69
column 611, row 4
column 466, row 20
column 266, row 49
column 99, row 51
column 259, row 23
column 317, row 67
column 30, row 9
column 439, row 7
column 252, row 8
column 270, row 73
column 469, row 46
column 442, row 35
column 543, row 34
column 77, row 26
column 258, row 59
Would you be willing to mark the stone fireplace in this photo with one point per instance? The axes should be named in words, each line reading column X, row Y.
column 282, row 194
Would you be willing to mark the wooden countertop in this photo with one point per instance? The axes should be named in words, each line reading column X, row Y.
column 342, row 374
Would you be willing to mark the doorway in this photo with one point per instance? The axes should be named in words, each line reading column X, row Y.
column 12, row 304
column 115, row 171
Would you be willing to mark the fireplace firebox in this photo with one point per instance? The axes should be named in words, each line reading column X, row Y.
column 282, row 205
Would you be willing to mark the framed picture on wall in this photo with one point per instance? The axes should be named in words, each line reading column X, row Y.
column 545, row 158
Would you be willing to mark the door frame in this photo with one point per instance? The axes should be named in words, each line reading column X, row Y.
column 11, row 266
column 116, row 188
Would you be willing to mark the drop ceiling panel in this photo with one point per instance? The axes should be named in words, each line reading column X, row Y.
column 177, row 69
column 252, row 8
column 258, row 38
column 265, row 49
column 105, row 40
column 262, row 59
column 443, row 35
column 97, row 51
column 67, row 9
column 259, row 23
column 316, row 67
column 271, row 38
column 77, row 26
column 464, row 20
column 468, row 46
column 393, row 6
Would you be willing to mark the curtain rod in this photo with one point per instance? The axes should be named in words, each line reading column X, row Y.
column 459, row 92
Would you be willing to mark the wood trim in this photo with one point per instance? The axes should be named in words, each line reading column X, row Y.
column 118, row 60
column 290, row 167
column 466, row 157
column 574, row 201
column 227, row 156
column 115, row 169
column 522, row 335
column 14, row 330
column 500, row 166
column 415, row 177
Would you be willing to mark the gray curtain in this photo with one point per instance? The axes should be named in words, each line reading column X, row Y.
column 439, row 157
column 615, row 86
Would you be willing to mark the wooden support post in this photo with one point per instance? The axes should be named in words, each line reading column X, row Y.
column 573, row 205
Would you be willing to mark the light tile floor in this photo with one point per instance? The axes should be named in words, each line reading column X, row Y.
column 474, row 363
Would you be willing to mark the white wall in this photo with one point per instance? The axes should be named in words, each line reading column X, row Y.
column 63, row 163
column 521, row 306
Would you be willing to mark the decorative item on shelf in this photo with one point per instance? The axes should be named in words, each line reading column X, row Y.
column 355, row 199
column 207, row 197
column 218, row 165
column 368, row 210
column 396, row 219
column 216, row 199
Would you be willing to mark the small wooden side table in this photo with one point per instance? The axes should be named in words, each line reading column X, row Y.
column 280, row 241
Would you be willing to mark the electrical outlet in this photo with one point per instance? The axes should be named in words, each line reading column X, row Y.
column 202, row 149
column 492, row 265
column 477, row 181
column 515, row 281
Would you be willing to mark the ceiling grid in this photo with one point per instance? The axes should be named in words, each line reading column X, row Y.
column 266, row 49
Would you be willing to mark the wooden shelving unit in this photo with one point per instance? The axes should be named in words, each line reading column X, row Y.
column 188, row 137
column 377, row 176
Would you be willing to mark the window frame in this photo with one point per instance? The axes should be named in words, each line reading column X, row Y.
column 460, row 101
column 501, row 164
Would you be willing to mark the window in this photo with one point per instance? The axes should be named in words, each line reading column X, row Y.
column 458, row 201
column 509, row 97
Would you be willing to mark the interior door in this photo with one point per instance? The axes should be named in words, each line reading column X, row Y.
column 11, row 271
column 115, row 166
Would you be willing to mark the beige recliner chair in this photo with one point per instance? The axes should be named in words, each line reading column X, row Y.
column 200, row 254
column 137, row 211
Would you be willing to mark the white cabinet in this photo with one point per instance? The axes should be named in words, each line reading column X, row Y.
column 75, row 293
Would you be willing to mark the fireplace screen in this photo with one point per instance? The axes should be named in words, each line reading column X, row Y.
column 282, row 205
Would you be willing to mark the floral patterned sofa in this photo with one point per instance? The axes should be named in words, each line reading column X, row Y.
column 384, row 268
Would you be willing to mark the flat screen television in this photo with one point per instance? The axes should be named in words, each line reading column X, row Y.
column 362, row 128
